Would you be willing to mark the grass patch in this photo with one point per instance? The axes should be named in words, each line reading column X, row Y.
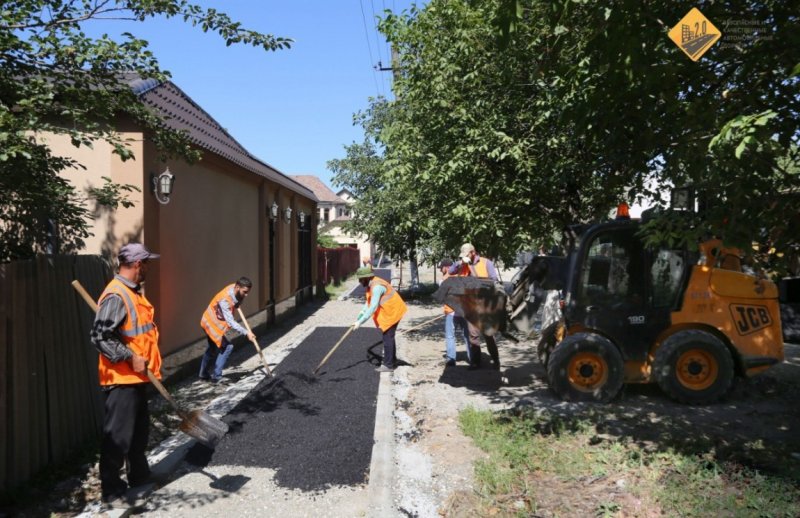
column 553, row 466
column 334, row 289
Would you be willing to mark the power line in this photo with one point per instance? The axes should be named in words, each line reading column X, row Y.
column 369, row 48
column 388, row 47
column 375, row 21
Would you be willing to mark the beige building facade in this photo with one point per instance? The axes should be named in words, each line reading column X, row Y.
column 229, row 215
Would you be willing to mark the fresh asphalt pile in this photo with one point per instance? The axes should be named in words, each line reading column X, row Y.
column 314, row 431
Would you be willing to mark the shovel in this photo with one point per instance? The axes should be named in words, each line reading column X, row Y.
column 434, row 319
column 420, row 326
column 255, row 343
column 205, row 429
column 333, row 349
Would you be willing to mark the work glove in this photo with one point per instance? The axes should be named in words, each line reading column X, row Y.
column 356, row 325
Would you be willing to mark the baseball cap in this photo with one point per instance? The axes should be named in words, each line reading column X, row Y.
column 444, row 263
column 466, row 248
column 364, row 272
column 133, row 252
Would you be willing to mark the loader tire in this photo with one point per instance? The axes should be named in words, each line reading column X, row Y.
column 585, row 367
column 694, row 367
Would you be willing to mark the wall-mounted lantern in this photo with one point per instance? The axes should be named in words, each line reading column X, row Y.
column 272, row 211
column 301, row 218
column 287, row 214
column 162, row 185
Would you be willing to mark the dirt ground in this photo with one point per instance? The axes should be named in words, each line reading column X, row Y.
column 756, row 425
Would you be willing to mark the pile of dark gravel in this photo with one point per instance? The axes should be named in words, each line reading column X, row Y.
column 315, row 431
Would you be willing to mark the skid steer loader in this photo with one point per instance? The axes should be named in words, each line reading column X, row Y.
column 689, row 320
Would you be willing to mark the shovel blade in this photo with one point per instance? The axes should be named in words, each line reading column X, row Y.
column 205, row 429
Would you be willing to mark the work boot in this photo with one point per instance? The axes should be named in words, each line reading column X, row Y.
column 475, row 356
column 384, row 368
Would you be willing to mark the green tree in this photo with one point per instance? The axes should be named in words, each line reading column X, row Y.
column 54, row 78
column 513, row 118
column 382, row 210
column 326, row 241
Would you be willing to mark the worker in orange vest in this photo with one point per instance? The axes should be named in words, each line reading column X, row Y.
column 386, row 308
column 476, row 266
column 217, row 319
column 452, row 321
column 125, row 334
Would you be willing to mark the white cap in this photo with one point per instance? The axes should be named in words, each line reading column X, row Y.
column 466, row 248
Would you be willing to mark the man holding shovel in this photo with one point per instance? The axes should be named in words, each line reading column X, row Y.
column 216, row 321
column 386, row 308
column 125, row 334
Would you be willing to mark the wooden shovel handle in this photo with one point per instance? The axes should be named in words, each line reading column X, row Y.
column 152, row 377
column 333, row 349
column 255, row 343
column 434, row 319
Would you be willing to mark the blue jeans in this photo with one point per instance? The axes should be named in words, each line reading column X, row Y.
column 216, row 356
column 450, row 323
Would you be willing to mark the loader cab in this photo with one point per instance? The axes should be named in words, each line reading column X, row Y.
column 622, row 290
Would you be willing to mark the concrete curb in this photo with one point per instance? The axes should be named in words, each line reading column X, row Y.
column 381, row 468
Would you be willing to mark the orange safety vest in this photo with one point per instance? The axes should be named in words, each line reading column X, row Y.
column 391, row 307
column 138, row 332
column 479, row 270
column 213, row 322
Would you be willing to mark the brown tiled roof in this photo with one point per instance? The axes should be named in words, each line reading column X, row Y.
column 182, row 113
column 320, row 190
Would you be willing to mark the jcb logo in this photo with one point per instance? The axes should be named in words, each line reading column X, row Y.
column 749, row 319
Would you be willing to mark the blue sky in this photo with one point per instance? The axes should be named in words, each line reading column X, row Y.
column 291, row 108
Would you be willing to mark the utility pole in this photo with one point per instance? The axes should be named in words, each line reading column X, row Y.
column 412, row 254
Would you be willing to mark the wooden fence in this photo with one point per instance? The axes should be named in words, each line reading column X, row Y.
column 334, row 264
column 50, row 404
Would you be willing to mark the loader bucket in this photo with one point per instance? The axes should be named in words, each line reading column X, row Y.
column 481, row 302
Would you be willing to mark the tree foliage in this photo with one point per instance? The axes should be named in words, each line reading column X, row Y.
column 513, row 118
column 382, row 211
column 326, row 241
column 54, row 78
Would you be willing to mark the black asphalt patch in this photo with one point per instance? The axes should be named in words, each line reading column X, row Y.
column 315, row 431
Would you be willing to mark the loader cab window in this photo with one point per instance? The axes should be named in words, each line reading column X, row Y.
column 612, row 272
column 666, row 273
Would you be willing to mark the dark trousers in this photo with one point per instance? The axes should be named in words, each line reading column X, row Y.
column 126, row 427
column 389, row 347
column 475, row 346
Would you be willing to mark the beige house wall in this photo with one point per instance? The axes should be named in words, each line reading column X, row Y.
column 207, row 238
column 213, row 230
column 110, row 228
